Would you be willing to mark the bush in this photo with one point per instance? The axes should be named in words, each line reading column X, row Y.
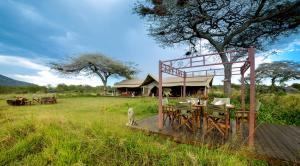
column 296, row 85
column 284, row 109
column 22, row 89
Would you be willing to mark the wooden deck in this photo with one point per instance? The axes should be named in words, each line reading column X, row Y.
column 272, row 141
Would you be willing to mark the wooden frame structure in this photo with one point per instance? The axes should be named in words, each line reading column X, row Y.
column 180, row 68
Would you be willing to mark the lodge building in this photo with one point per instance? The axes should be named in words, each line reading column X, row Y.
column 149, row 86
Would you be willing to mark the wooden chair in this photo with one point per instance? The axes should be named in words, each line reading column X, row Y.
column 217, row 117
column 244, row 115
column 186, row 117
column 168, row 111
column 48, row 100
column 35, row 100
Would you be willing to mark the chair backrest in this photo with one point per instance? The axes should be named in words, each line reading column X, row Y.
column 216, row 110
column 221, row 101
column 184, row 106
column 203, row 102
column 193, row 101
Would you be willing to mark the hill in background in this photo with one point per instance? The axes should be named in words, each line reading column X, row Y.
column 6, row 81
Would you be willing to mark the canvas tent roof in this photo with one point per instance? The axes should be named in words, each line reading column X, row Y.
column 167, row 82
column 194, row 81
column 133, row 83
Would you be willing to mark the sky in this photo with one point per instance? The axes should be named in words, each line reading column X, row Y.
column 36, row 33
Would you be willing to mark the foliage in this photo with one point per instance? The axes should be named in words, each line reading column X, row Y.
column 22, row 89
column 296, row 85
column 284, row 109
column 98, row 64
column 92, row 131
column 60, row 89
column 224, row 24
column 279, row 71
column 81, row 89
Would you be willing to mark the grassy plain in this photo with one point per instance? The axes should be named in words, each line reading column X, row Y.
column 92, row 131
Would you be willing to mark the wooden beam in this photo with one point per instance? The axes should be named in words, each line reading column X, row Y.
column 252, row 96
column 243, row 91
column 160, row 113
column 184, row 84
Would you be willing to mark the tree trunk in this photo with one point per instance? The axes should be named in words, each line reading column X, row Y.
column 104, row 87
column 227, row 73
column 227, row 79
column 273, row 86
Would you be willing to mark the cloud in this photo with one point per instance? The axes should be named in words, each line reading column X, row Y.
column 21, row 62
column 48, row 77
column 70, row 41
column 43, row 75
column 30, row 13
column 283, row 48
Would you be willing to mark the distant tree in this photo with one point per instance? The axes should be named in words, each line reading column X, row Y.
column 278, row 72
column 61, row 88
column 296, row 85
column 225, row 24
column 98, row 64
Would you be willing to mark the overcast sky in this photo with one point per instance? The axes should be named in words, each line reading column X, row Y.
column 35, row 33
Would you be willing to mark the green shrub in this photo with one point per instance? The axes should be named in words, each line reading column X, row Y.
column 283, row 109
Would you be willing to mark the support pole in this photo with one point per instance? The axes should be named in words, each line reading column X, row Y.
column 184, row 85
column 252, row 96
column 243, row 91
column 160, row 113
column 181, row 91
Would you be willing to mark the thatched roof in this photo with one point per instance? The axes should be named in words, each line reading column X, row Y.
column 167, row 81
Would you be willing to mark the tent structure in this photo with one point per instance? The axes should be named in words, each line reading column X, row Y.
column 238, row 61
column 149, row 85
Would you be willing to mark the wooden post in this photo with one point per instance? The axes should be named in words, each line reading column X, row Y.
column 205, row 91
column 181, row 91
column 243, row 91
column 252, row 96
column 160, row 113
column 184, row 84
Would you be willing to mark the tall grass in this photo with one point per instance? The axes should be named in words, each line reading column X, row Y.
column 280, row 109
column 91, row 131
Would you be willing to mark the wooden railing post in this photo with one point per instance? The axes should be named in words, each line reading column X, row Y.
column 243, row 91
column 184, row 84
column 160, row 96
column 252, row 96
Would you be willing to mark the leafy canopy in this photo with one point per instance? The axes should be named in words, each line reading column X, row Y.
column 98, row 64
column 224, row 23
column 279, row 71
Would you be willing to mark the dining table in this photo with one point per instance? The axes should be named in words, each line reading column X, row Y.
column 197, row 112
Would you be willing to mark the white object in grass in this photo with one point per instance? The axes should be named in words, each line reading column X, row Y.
column 131, row 117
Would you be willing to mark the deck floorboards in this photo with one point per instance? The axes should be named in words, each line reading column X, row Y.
column 273, row 141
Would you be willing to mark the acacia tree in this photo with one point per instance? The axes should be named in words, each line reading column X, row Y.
column 278, row 72
column 98, row 64
column 225, row 24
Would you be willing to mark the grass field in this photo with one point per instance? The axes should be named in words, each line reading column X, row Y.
column 92, row 131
